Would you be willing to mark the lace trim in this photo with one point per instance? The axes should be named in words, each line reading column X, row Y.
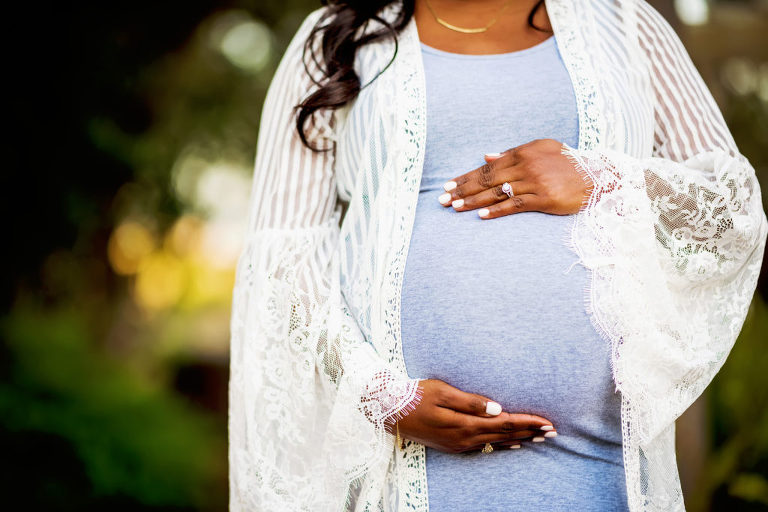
column 619, row 219
column 411, row 137
column 567, row 20
column 600, row 277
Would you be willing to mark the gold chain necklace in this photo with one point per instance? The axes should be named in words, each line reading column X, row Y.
column 462, row 29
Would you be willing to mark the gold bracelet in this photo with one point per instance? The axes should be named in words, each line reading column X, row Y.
column 399, row 440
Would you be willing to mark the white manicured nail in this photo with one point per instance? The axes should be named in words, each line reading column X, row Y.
column 514, row 447
column 482, row 212
column 551, row 434
column 538, row 439
column 449, row 185
column 458, row 203
column 444, row 198
column 547, row 427
column 493, row 408
column 493, row 154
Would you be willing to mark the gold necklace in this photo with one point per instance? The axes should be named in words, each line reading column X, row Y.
column 462, row 29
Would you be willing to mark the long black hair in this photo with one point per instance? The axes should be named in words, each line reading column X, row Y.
column 340, row 83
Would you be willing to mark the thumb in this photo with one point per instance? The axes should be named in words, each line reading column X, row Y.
column 470, row 403
column 490, row 157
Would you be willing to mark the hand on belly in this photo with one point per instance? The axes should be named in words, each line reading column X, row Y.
column 453, row 421
column 538, row 176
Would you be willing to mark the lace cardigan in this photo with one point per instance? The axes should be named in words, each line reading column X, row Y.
column 673, row 236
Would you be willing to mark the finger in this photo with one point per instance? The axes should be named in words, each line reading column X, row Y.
column 513, row 151
column 478, row 442
column 512, row 422
column 469, row 403
column 516, row 204
column 491, row 173
column 536, row 436
column 491, row 196
column 501, row 437
column 489, row 157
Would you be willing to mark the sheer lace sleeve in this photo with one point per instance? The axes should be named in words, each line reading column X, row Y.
column 309, row 395
column 686, row 223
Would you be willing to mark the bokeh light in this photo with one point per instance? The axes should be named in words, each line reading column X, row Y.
column 692, row 12
column 245, row 42
column 129, row 246
column 161, row 281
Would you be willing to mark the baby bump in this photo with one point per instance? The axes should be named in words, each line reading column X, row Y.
column 496, row 307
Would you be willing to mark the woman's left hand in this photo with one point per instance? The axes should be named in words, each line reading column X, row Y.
column 542, row 179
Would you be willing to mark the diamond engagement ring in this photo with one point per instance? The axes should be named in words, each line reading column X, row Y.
column 487, row 448
column 507, row 189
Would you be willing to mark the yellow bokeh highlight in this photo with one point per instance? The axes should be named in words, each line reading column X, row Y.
column 210, row 286
column 185, row 235
column 175, row 273
column 161, row 281
column 128, row 246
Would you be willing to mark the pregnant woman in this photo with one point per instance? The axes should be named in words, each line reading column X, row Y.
column 495, row 248
column 496, row 307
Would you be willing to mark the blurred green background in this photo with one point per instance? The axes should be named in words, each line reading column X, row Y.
column 134, row 127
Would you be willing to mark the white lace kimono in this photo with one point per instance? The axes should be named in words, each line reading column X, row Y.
column 673, row 236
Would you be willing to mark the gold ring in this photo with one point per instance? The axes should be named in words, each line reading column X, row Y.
column 487, row 448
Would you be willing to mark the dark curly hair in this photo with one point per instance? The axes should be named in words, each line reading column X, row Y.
column 340, row 83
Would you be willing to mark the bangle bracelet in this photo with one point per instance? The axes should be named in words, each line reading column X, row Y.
column 399, row 440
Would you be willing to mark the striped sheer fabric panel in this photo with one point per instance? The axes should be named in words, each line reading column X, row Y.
column 298, row 357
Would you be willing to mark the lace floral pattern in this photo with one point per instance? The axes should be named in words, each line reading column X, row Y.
column 697, row 244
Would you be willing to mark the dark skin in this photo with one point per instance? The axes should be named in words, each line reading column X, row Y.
column 542, row 180
column 453, row 421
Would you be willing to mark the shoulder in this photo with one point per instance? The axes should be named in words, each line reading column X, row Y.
column 627, row 15
column 296, row 63
column 641, row 29
column 651, row 20
column 322, row 13
column 305, row 28
column 660, row 41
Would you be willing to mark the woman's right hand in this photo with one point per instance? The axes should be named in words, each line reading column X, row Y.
column 453, row 421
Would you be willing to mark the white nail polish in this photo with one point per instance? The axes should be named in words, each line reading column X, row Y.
column 482, row 212
column 547, row 427
column 551, row 434
column 450, row 185
column 458, row 203
column 514, row 447
column 444, row 198
column 493, row 408
column 493, row 154
column 538, row 439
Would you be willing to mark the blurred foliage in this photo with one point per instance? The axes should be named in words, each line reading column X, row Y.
column 736, row 471
column 116, row 437
column 136, row 124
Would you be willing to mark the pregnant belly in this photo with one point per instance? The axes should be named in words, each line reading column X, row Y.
column 496, row 307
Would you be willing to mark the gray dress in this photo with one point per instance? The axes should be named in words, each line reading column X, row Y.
column 497, row 306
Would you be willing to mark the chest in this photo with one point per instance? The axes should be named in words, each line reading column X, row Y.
column 482, row 103
column 397, row 106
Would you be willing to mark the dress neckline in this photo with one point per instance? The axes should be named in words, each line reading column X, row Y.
column 517, row 53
